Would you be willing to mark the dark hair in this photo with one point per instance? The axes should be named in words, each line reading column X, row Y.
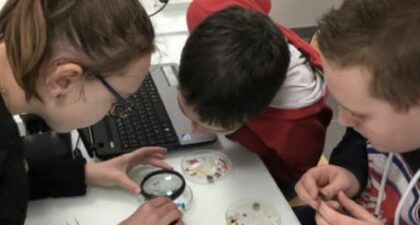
column 383, row 36
column 232, row 66
column 112, row 33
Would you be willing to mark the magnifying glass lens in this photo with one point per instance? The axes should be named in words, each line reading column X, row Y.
column 163, row 183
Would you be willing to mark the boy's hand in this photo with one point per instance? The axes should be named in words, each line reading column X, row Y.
column 359, row 216
column 324, row 183
column 113, row 172
column 158, row 211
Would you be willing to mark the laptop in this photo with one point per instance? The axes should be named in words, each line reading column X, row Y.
column 156, row 120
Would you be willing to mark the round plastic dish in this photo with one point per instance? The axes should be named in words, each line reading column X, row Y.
column 252, row 212
column 206, row 166
column 184, row 201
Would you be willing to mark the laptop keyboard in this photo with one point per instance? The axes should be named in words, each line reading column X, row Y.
column 150, row 125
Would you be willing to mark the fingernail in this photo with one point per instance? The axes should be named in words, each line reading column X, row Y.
column 334, row 205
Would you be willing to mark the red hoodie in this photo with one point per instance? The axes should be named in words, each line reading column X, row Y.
column 288, row 141
column 199, row 10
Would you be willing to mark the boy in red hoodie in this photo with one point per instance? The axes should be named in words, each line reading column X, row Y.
column 258, row 82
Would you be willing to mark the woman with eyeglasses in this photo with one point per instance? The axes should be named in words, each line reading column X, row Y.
column 72, row 62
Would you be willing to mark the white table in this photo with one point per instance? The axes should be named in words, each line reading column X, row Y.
column 249, row 180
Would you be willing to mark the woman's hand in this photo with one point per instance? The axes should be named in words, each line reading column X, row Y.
column 113, row 172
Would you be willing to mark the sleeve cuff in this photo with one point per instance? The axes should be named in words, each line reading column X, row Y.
column 56, row 178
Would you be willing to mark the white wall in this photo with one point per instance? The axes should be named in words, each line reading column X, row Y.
column 291, row 13
column 300, row 13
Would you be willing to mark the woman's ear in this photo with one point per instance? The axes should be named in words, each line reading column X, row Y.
column 63, row 79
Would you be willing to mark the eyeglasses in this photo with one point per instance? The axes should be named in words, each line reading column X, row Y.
column 119, row 109
column 164, row 4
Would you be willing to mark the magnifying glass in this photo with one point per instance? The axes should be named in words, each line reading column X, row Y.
column 163, row 183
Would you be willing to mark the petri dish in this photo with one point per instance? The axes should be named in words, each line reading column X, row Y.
column 206, row 166
column 252, row 212
column 184, row 201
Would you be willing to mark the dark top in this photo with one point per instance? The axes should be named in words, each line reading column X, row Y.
column 351, row 153
column 45, row 178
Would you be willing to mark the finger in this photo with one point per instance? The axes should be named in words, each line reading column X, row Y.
column 159, row 156
column 305, row 196
column 330, row 191
column 153, row 148
column 125, row 182
column 355, row 209
column 146, row 158
column 136, row 157
column 309, row 189
column 320, row 221
column 333, row 217
column 142, row 152
column 155, row 154
column 158, row 202
column 172, row 214
column 334, row 205
column 160, row 163
column 167, row 211
column 179, row 222
column 331, row 185
column 310, row 184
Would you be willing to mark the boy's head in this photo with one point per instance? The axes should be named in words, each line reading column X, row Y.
column 231, row 67
column 371, row 55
